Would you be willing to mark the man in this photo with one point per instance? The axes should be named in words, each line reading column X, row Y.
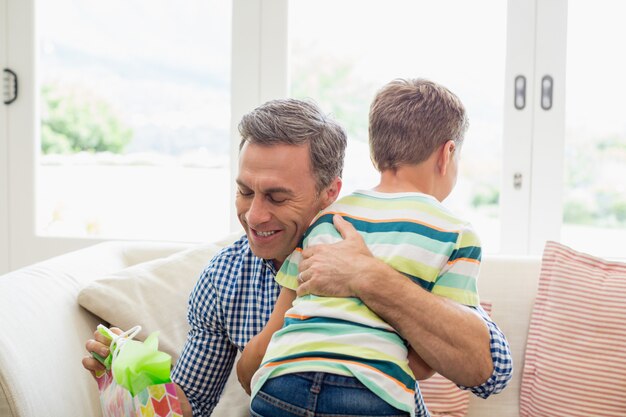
column 416, row 132
column 291, row 158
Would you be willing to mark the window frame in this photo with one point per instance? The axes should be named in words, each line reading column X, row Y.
column 4, row 153
column 533, row 138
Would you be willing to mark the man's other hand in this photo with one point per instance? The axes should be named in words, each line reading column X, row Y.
column 336, row 269
column 100, row 345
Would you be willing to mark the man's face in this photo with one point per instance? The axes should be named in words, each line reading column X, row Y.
column 277, row 197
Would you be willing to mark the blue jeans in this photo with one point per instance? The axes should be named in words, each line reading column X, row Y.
column 318, row 394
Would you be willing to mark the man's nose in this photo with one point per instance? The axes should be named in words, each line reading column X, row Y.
column 258, row 213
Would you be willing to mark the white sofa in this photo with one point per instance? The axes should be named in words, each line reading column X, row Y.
column 43, row 329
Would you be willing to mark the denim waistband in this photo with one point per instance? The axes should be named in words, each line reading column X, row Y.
column 330, row 379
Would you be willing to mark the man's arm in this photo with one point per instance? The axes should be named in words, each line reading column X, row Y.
column 202, row 370
column 451, row 338
column 208, row 355
column 501, row 357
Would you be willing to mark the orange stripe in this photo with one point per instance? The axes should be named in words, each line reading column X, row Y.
column 296, row 316
column 475, row 261
column 272, row 364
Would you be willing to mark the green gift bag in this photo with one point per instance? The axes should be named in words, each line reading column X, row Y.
column 137, row 381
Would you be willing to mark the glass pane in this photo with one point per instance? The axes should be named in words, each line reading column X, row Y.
column 363, row 44
column 594, row 215
column 135, row 115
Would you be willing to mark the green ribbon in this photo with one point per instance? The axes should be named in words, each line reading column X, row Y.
column 137, row 365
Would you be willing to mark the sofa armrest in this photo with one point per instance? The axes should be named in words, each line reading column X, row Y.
column 43, row 329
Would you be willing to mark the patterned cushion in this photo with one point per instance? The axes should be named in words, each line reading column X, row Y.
column 441, row 396
column 575, row 361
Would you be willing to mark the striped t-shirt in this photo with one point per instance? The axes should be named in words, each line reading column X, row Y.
column 417, row 236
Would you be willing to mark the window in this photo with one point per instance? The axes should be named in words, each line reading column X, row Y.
column 160, row 77
column 342, row 66
column 594, row 206
column 135, row 119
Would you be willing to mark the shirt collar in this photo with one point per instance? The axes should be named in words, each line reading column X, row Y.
column 270, row 265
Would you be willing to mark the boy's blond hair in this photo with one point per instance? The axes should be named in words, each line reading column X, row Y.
column 409, row 119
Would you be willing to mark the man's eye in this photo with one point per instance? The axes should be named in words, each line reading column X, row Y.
column 244, row 193
column 276, row 199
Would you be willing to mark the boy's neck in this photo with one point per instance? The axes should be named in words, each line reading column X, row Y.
column 410, row 179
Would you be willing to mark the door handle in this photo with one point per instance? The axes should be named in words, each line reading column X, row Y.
column 9, row 81
column 547, row 87
column 519, row 96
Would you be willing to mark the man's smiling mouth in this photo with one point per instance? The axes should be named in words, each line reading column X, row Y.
column 265, row 234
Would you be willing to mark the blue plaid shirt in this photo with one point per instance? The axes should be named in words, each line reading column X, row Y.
column 232, row 301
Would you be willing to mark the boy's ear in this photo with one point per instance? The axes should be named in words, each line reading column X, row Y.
column 446, row 153
column 330, row 193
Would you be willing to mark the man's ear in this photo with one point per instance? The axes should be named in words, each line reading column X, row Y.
column 446, row 154
column 331, row 192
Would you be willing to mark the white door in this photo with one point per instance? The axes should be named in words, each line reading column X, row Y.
column 544, row 159
column 4, row 150
column 506, row 60
column 20, row 131
column 463, row 45
column 594, row 194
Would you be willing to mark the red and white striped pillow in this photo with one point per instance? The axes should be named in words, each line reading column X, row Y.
column 441, row 396
column 575, row 361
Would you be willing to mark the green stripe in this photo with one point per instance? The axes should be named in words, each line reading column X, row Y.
column 350, row 305
column 469, row 239
column 333, row 327
column 324, row 229
column 357, row 351
column 385, row 367
column 413, row 268
column 470, row 252
column 390, row 226
column 459, row 295
column 287, row 275
column 459, row 281
column 388, row 238
column 413, row 239
column 416, row 202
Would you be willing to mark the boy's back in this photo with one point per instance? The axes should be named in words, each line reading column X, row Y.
column 414, row 234
column 416, row 132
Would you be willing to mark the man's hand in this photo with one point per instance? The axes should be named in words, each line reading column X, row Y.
column 100, row 345
column 334, row 269
column 448, row 337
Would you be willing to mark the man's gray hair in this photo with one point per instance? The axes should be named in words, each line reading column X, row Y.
column 298, row 122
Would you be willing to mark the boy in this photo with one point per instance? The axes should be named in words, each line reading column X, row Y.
column 334, row 355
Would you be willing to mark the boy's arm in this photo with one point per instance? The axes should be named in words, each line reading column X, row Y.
column 420, row 369
column 254, row 351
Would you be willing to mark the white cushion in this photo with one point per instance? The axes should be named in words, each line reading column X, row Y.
column 152, row 294
column 510, row 283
